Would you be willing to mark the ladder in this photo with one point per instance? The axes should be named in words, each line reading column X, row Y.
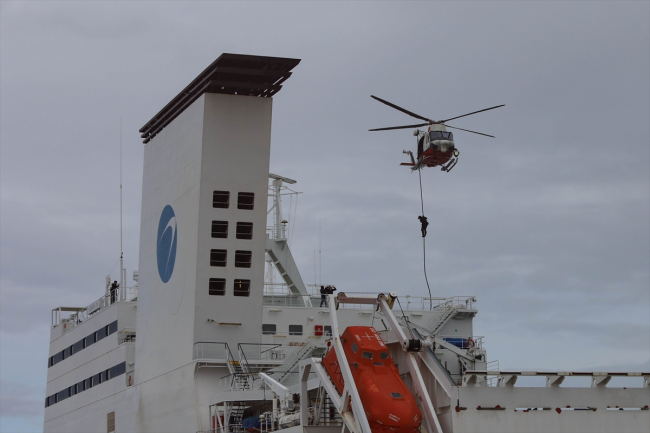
column 446, row 312
column 241, row 378
column 301, row 351
column 235, row 415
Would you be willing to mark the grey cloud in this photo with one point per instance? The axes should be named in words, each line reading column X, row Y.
column 547, row 224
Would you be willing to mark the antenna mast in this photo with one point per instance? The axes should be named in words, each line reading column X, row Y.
column 122, row 279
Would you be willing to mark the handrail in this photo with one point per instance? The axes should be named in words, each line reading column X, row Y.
column 201, row 347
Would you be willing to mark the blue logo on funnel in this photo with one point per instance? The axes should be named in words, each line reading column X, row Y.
column 166, row 244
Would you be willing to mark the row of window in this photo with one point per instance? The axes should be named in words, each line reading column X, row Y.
column 369, row 355
column 221, row 199
column 220, row 230
column 217, row 287
column 83, row 343
column 85, row 384
column 220, row 258
column 244, row 230
column 271, row 329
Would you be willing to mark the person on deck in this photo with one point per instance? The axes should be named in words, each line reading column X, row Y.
column 425, row 224
column 114, row 288
column 323, row 296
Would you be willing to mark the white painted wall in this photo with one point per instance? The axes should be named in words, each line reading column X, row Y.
column 235, row 158
column 220, row 142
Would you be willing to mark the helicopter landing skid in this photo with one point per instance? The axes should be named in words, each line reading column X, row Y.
column 452, row 162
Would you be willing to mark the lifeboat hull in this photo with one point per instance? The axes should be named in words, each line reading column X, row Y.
column 388, row 404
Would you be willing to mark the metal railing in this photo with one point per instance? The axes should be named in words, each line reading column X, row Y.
column 259, row 352
column 94, row 308
column 211, row 350
column 289, row 300
column 280, row 296
column 126, row 335
column 463, row 342
column 297, row 353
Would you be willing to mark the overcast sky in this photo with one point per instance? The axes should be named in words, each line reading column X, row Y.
column 548, row 224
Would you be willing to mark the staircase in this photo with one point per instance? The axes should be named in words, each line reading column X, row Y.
column 302, row 351
column 240, row 372
column 325, row 412
column 445, row 312
column 441, row 316
column 236, row 413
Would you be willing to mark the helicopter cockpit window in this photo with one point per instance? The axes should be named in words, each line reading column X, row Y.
column 441, row 135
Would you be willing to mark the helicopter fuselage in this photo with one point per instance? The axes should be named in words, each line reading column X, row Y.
column 435, row 146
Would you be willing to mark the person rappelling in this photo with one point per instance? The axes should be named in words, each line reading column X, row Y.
column 425, row 224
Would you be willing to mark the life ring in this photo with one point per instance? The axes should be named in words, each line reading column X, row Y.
column 64, row 325
column 470, row 343
column 129, row 380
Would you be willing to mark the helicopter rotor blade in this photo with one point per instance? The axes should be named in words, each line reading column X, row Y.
column 467, row 130
column 469, row 114
column 417, row 116
column 399, row 127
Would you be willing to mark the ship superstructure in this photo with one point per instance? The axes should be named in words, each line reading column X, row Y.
column 201, row 342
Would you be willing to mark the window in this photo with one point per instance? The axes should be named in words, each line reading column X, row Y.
column 110, row 422
column 112, row 327
column 355, row 347
column 66, row 353
column 90, row 340
column 220, row 229
column 221, row 199
column 295, row 329
column 242, row 288
column 86, row 384
column 244, row 230
column 367, row 355
column 79, row 345
column 50, row 362
column 118, row 370
column 217, row 286
column 268, row 329
column 441, row 135
column 242, row 259
column 396, row 395
column 58, row 357
column 218, row 258
column 245, row 200
column 101, row 333
column 328, row 330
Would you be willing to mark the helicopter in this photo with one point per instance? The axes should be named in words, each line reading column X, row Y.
column 436, row 145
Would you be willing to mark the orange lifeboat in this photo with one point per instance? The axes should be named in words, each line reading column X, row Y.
column 388, row 403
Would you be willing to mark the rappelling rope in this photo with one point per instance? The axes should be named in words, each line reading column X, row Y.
column 424, row 245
